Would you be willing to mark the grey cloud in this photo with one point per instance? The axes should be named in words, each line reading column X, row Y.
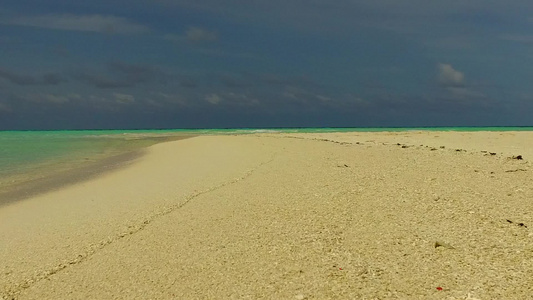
column 18, row 79
column 188, row 82
column 234, row 81
column 55, row 108
column 173, row 38
column 452, row 43
column 252, row 109
column 5, row 108
column 70, row 22
column 310, row 99
column 198, row 35
column 22, row 79
column 121, row 75
column 342, row 16
column 101, row 102
column 241, row 99
column 454, row 83
column 138, row 73
column 166, row 100
column 29, row 101
column 56, row 99
column 51, row 79
column 131, row 69
column 124, row 98
column 277, row 80
column 213, row 99
column 463, row 93
column 104, row 82
column 231, row 81
column 450, row 77
column 232, row 99
column 525, row 39
column 195, row 35
column 441, row 106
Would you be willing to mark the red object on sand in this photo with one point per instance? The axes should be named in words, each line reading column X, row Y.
column 439, row 288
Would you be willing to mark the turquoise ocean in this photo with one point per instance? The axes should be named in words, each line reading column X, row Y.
column 25, row 155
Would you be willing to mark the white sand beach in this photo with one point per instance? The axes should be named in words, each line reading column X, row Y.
column 405, row 215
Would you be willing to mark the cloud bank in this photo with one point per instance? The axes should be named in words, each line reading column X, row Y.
column 91, row 23
column 23, row 79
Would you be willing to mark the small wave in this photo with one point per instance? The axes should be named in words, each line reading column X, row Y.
column 264, row 131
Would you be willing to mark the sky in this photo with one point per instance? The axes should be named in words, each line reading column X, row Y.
column 129, row 64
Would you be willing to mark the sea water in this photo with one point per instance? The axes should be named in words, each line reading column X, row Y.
column 26, row 155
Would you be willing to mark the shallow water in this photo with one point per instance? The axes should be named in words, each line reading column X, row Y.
column 29, row 155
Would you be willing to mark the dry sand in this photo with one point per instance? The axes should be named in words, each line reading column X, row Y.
column 286, row 216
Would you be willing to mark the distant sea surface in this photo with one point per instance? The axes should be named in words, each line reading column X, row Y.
column 29, row 155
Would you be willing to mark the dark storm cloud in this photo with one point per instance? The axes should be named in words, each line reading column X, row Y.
column 193, row 35
column 266, row 63
column 338, row 17
column 200, row 35
column 188, row 82
column 18, row 78
column 244, row 80
column 234, row 81
column 136, row 70
column 51, row 79
column 279, row 80
column 524, row 38
column 23, row 79
column 121, row 75
column 102, row 81
column 71, row 22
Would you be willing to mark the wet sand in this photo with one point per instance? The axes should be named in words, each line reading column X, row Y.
column 51, row 178
column 285, row 216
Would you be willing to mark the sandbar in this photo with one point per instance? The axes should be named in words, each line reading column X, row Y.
column 391, row 215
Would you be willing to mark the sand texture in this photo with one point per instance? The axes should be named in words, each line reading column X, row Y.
column 286, row 216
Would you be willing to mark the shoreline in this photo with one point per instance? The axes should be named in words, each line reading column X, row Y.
column 286, row 216
column 504, row 144
column 64, row 178
column 79, row 172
